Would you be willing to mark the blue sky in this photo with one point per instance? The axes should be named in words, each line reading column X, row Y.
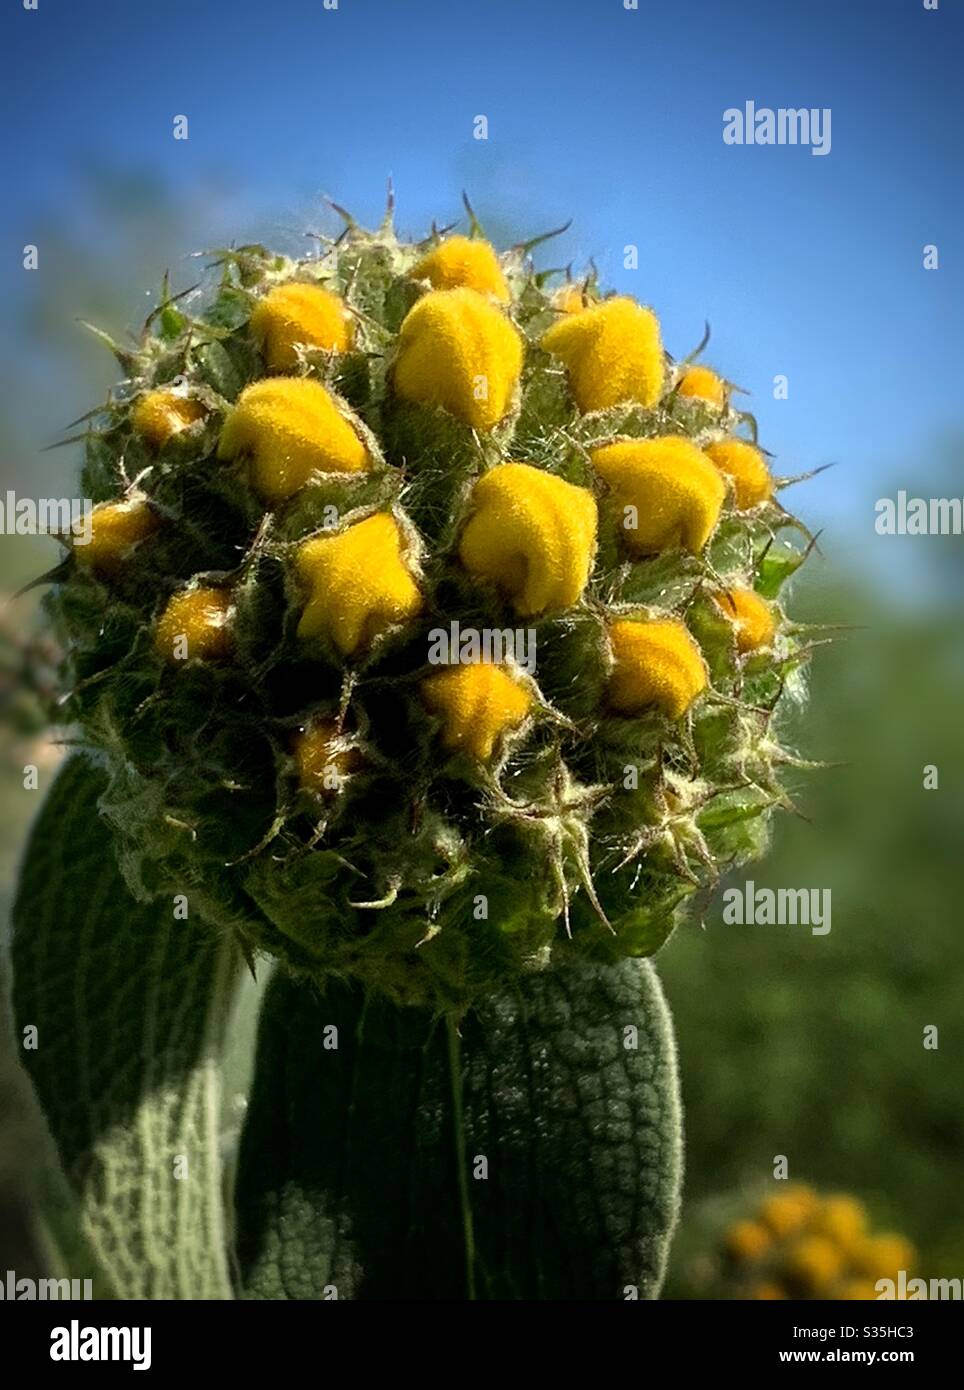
column 804, row 265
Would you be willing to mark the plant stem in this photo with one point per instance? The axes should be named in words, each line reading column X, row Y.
column 455, row 1076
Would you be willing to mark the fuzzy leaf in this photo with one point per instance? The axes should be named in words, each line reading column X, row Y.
column 130, row 1008
column 348, row 1184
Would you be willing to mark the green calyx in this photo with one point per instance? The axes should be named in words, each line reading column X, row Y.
column 305, row 784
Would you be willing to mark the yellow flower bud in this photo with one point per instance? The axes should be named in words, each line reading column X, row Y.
column 570, row 298
column 458, row 351
column 478, row 705
column 195, row 624
column 463, row 262
column 292, row 428
column 359, row 583
column 752, row 617
column 746, row 469
column 115, row 527
column 656, row 662
column 532, row 534
column 841, row 1219
column 300, row 313
column 700, row 384
column 160, row 415
column 746, row 1240
column 788, row 1212
column 880, row 1257
column 854, row 1289
column 324, row 758
column 613, row 353
column 766, row 1291
column 814, row 1263
column 675, row 492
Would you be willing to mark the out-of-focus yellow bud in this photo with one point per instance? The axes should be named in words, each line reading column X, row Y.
column 853, row 1289
column 196, row 624
column 532, row 534
column 159, row 415
column 880, row 1257
column 788, row 1212
column 842, row 1219
column 613, row 353
column 458, row 351
column 324, row 758
column 754, row 625
column 478, row 705
column 359, row 583
column 814, row 1263
column 746, row 469
column 766, row 1291
column 300, row 313
column 746, row 1240
column 462, row 262
column 291, row 427
column 656, row 663
column 700, row 384
column 667, row 489
column 115, row 527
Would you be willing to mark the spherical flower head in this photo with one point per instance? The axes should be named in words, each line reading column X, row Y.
column 667, row 488
column 814, row 1263
column 701, row 384
column 324, row 758
column 303, row 314
column 842, row 1219
column 656, row 663
column 881, row 1257
column 462, row 262
column 788, row 1212
column 291, row 428
column 359, row 583
column 746, row 1240
column 746, row 469
column 766, row 1292
column 159, row 415
column 478, row 705
column 458, row 351
column 754, row 625
column 531, row 534
column 115, row 528
column 195, row 625
column 853, row 1290
column 613, row 353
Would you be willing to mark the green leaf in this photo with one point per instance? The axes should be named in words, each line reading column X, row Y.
column 548, row 1170
column 130, row 1008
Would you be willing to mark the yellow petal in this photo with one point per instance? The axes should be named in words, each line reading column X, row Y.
column 788, row 1212
column 159, row 415
column 656, row 663
column 814, row 1263
column 700, row 384
column 324, row 758
column 532, row 534
column 613, row 353
column 746, row 469
column 458, row 351
column 359, row 583
column 291, row 427
column 300, row 313
column 477, row 705
column 463, row 262
column 195, row 624
column 841, row 1219
column 676, row 493
column 114, row 528
column 752, row 618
